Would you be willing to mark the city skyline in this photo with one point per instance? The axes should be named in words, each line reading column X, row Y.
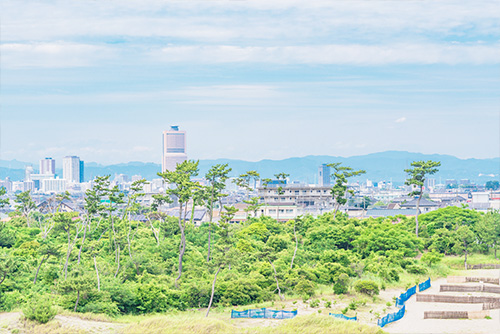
column 249, row 80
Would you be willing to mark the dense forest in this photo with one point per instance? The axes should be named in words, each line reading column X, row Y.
column 101, row 261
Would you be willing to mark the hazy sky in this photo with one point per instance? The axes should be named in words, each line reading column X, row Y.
column 248, row 79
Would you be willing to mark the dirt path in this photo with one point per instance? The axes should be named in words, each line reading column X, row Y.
column 88, row 326
column 11, row 323
column 414, row 322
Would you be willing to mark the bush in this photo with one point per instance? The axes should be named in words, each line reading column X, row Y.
column 108, row 308
column 314, row 303
column 10, row 300
column 40, row 308
column 341, row 284
column 368, row 287
column 416, row 269
column 305, row 289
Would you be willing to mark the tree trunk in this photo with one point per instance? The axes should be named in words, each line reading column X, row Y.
column 38, row 269
column 181, row 246
column 77, row 300
column 68, row 253
column 192, row 214
column 155, row 232
column 83, row 241
column 276, row 279
column 418, row 211
column 336, row 208
column 118, row 263
column 97, row 274
column 209, row 237
column 495, row 248
column 211, row 213
column 213, row 291
column 296, row 245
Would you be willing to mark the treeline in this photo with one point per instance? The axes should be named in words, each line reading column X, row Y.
column 101, row 261
column 258, row 260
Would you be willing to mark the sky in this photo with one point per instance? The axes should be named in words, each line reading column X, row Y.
column 248, row 80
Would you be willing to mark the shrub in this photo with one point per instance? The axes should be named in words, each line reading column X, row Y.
column 341, row 284
column 416, row 269
column 39, row 308
column 368, row 287
column 314, row 303
column 305, row 289
column 108, row 308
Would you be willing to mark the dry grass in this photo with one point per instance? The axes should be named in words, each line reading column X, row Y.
column 52, row 327
column 320, row 324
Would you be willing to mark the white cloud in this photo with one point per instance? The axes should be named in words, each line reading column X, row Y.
column 355, row 54
column 52, row 55
column 400, row 120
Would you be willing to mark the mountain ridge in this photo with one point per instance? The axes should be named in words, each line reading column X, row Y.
column 387, row 165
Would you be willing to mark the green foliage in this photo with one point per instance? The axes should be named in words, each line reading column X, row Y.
column 368, row 287
column 431, row 258
column 416, row 269
column 341, row 284
column 40, row 308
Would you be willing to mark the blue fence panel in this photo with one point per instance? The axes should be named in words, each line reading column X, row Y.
column 239, row 314
column 257, row 313
column 343, row 317
column 289, row 314
column 391, row 317
column 272, row 314
column 263, row 313
column 424, row 285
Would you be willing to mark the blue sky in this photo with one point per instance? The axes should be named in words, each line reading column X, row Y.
column 248, row 79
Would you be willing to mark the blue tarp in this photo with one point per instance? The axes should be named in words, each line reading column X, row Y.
column 400, row 301
column 391, row 317
column 424, row 285
column 263, row 313
column 341, row 316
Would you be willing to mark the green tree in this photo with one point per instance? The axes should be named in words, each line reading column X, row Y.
column 224, row 248
column 25, row 205
column 281, row 177
column 339, row 190
column 431, row 258
column 3, row 201
column 466, row 238
column 68, row 223
column 416, row 177
column 181, row 187
column 46, row 250
column 217, row 176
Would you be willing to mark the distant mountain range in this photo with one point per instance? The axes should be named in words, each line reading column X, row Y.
column 387, row 166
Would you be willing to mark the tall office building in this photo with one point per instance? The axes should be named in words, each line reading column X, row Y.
column 82, row 172
column 174, row 148
column 324, row 175
column 47, row 166
column 71, row 169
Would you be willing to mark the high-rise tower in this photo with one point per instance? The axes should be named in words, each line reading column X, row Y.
column 47, row 166
column 324, row 175
column 174, row 148
column 71, row 169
